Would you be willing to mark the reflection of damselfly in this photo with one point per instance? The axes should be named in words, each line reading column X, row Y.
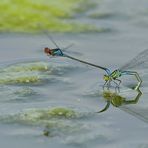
column 117, row 100
column 110, row 76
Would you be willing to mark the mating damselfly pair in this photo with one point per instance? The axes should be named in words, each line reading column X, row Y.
column 110, row 76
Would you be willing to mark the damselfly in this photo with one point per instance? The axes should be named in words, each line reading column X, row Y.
column 110, row 76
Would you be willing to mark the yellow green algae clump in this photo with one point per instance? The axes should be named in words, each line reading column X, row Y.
column 38, row 115
column 23, row 73
column 53, row 15
column 33, row 72
column 28, row 66
column 44, row 117
column 62, row 112
column 55, row 118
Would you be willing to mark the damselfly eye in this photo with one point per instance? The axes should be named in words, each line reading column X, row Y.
column 47, row 50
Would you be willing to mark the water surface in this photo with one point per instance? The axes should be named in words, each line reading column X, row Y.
column 60, row 96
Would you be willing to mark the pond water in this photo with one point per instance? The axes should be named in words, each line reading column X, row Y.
column 52, row 102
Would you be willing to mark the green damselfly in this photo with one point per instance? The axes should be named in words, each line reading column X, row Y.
column 110, row 76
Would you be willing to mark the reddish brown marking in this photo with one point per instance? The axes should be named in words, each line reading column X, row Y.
column 47, row 50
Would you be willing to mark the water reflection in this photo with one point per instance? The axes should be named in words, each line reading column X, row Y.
column 117, row 100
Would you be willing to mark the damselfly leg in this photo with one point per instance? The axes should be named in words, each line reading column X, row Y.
column 134, row 73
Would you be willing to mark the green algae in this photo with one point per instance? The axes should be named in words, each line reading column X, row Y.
column 23, row 67
column 37, row 115
column 54, row 120
column 13, row 79
column 55, row 16
column 62, row 112
column 31, row 73
column 44, row 117
column 23, row 73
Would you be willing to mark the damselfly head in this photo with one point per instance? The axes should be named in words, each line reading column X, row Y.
column 106, row 78
column 47, row 51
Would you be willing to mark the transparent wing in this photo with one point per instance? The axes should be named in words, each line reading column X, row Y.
column 139, row 62
column 72, row 52
column 69, row 51
column 138, row 112
column 50, row 38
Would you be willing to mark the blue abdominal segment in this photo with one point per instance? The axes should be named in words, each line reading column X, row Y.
column 57, row 52
column 108, row 71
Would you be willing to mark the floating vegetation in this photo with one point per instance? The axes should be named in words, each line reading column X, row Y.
column 64, row 122
column 62, row 112
column 55, row 16
column 32, row 73
column 58, row 118
column 23, row 67
column 22, row 73
column 42, row 116
column 17, row 79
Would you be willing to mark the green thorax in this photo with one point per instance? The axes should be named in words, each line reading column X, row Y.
column 116, row 74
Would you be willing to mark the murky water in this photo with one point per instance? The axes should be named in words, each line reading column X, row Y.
column 52, row 102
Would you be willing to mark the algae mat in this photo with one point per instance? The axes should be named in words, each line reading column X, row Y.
column 55, row 16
